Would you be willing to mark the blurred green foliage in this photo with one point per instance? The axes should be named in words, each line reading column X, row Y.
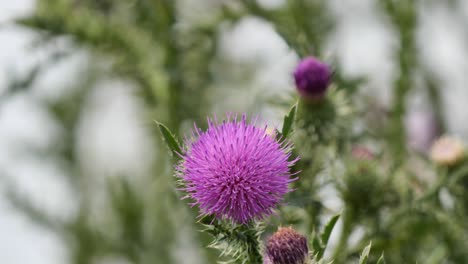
column 172, row 59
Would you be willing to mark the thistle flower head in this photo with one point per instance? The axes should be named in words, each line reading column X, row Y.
column 235, row 170
column 286, row 246
column 447, row 151
column 312, row 78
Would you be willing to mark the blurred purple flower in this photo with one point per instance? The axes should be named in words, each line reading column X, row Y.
column 235, row 170
column 421, row 130
column 312, row 78
column 286, row 246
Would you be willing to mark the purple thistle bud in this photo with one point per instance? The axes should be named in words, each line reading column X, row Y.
column 312, row 78
column 286, row 246
column 235, row 170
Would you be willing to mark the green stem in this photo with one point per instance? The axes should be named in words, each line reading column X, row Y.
column 403, row 14
column 447, row 179
column 436, row 102
column 434, row 190
column 458, row 174
column 255, row 257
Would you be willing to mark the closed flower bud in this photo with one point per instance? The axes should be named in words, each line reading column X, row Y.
column 447, row 151
column 312, row 78
column 362, row 153
column 286, row 246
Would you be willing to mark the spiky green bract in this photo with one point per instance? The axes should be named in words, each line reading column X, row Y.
column 325, row 120
column 237, row 243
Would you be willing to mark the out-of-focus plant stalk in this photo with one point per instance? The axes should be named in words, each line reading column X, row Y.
column 403, row 14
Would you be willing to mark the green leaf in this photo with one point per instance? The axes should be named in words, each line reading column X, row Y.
column 365, row 254
column 316, row 246
column 381, row 259
column 170, row 140
column 319, row 246
column 288, row 123
column 328, row 229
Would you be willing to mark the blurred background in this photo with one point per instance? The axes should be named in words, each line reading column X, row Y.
column 81, row 82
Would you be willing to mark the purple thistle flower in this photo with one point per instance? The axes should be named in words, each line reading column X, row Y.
column 312, row 78
column 235, row 170
column 286, row 246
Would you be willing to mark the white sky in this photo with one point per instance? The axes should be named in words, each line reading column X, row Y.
column 21, row 241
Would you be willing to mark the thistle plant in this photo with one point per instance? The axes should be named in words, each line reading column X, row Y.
column 268, row 185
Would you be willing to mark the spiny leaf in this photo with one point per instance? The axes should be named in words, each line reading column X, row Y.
column 365, row 254
column 325, row 236
column 170, row 140
column 381, row 259
column 288, row 123
column 328, row 229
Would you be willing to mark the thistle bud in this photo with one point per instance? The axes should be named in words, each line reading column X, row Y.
column 362, row 153
column 447, row 151
column 286, row 246
column 312, row 78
